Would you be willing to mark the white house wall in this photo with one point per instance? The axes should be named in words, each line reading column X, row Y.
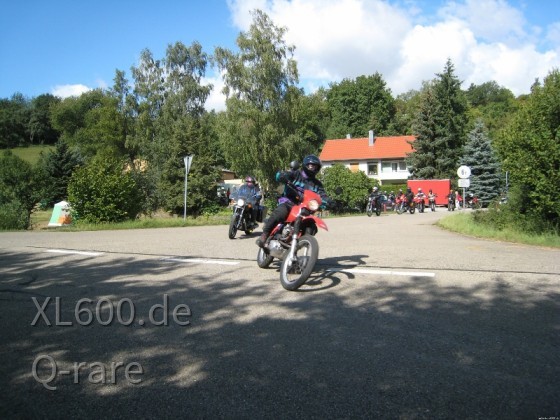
column 363, row 166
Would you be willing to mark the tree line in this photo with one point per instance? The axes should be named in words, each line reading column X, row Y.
column 136, row 133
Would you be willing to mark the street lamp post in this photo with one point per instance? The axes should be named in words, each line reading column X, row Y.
column 188, row 160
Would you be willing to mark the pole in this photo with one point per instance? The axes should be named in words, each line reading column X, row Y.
column 185, row 202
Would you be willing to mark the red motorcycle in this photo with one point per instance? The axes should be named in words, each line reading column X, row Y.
column 293, row 242
column 420, row 202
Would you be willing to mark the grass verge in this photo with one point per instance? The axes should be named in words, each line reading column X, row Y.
column 463, row 223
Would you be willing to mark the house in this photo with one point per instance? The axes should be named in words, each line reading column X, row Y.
column 381, row 158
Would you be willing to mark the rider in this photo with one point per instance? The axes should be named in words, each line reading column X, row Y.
column 409, row 196
column 302, row 179
column 374, row 195
column 420, row 193
column 251, row 190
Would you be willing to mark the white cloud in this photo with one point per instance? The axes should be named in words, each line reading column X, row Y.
column 65, row 91
column 485, row 39
column 217, row 100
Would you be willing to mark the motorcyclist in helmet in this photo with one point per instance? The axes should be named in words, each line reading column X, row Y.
column 302, row 179
column 251, row 190
column 409, row 196
column 374, row 196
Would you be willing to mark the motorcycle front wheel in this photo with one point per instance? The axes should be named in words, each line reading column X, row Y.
column 233, row 227
column 368, row 211
column 400, row 209
column 377, row 212
column 294, row 273
column 264, row 259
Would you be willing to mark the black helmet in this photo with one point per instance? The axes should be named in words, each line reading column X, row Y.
column 312, row 165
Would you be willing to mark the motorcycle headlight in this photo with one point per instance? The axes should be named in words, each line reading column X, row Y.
column 313, row 205
column 241, row 202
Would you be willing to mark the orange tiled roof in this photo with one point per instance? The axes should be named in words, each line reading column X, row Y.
column 359, row 149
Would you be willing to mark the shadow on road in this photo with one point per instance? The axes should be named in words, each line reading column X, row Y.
column 394, row 349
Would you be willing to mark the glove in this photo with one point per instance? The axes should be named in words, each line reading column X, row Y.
column 282, row 177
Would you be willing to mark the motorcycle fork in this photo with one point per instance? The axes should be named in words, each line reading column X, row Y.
column 292, row 253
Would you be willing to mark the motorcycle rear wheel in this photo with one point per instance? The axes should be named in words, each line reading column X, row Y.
column 377, row 212
column 232, row 227
column 264, row 259
column 293, row 274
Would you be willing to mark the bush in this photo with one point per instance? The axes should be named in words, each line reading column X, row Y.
column 103, row 192
column 14, row 216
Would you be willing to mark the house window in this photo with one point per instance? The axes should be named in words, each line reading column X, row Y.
column 389, row 167
column 372, row 168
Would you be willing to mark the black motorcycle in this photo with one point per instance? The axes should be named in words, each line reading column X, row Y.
column 241, row 218
column 374, row 205
column 450, row 203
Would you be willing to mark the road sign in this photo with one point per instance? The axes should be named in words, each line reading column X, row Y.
column 464, row 171
column 464, row 183
column 188, row 161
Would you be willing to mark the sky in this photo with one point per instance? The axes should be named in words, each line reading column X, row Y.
column 66, row 47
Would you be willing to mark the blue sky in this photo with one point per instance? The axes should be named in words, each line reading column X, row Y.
column 66, row 47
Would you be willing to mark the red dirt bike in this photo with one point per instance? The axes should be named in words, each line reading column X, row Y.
column 472, row 201
column 432, row 201
column 293, row 242
column 420, row 203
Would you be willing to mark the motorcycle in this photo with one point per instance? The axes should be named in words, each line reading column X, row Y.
column 419, row 201
column 374, row 206
column 241, row 217
column 450, row 203
column 432, row 201
column 293, row 242
column 472, row 201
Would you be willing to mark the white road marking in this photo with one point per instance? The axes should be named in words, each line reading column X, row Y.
column 384, row 272
column 73, row 252
column 200, row 261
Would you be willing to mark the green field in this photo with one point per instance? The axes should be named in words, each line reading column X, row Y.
column 31, row 154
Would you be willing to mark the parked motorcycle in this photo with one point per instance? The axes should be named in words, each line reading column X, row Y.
column 420, row 203
column 403, row 206
column 472, row 201
column 432, row 201
column 293, row 242
column 241, row 217
column 374, row 206
column 450, row 203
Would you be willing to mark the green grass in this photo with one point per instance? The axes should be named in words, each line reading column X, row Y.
column 31, row 154
column 40, row 220
column 463, row 223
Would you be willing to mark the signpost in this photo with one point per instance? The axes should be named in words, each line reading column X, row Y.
column 464, row 172
column 188, row 160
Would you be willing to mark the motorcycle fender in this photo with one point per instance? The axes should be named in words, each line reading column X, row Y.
column 319, row 222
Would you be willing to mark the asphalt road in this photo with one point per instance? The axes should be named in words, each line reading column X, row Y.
column 400, row 320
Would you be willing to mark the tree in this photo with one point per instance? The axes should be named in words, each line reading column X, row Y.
column 91, row 124
column 530, row 148
column 18, row 193
column 40, row 127
column 54, row 172
column 479, row 155
column 170, row 101
column 258, row 132
column 441, row 128
column 356, row 186
column 14, row 117
column 491, row 103
column 104, row 191
column 360, row 105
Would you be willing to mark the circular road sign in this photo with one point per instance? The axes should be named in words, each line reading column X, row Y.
column 464, row 171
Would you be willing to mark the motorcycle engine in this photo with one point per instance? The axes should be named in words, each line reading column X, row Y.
column 276, row 249
column 287, row 232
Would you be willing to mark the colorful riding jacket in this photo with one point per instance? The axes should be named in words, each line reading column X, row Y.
column 302, row 182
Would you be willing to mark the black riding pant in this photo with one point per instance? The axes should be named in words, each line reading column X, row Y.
column 278, row 215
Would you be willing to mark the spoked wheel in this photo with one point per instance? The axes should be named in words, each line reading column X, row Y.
column 264, row 259
column 368, row 211
column 232, row 227
column 294, row 273
column 400, row 209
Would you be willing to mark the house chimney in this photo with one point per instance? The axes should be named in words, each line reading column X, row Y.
column 371, row 138
column 348, row 136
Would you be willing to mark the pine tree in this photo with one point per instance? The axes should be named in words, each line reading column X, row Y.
column 480, row 156
column 440, row 127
